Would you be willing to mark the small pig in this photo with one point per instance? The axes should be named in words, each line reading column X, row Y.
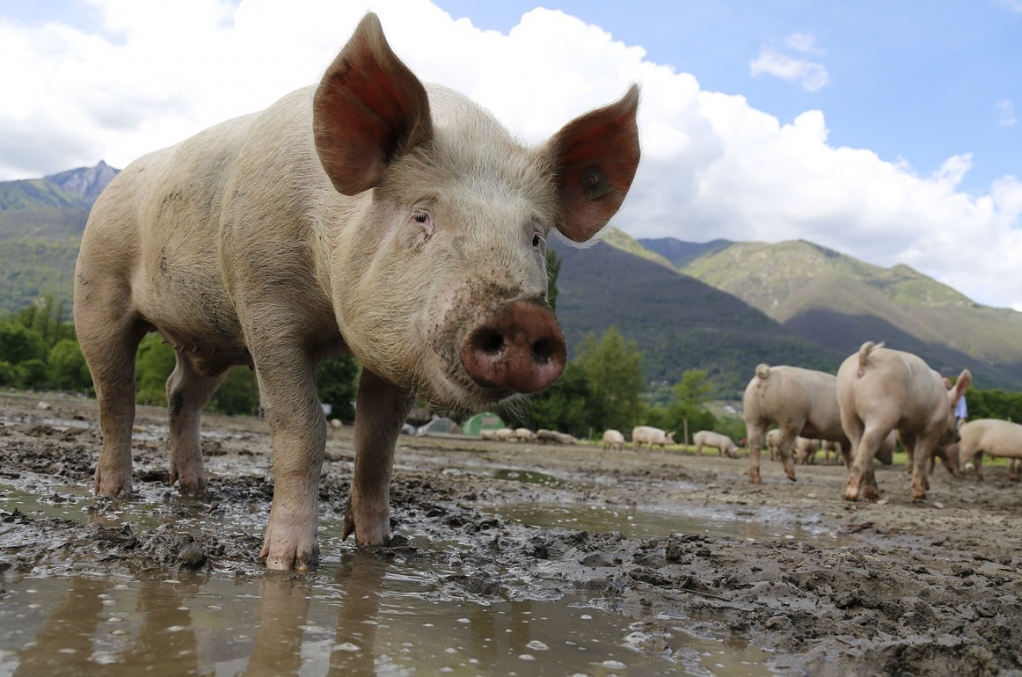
column 504, row 434
column 722, row 443
column 799, row 402
column 805, row 450
column 524, row 435
column 649, row 435
column 996, row 438
column 554, row 437
column 370, row 215
column 881, row 390
column 613, row 440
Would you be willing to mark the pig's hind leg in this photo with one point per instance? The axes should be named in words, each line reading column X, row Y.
column 381, row 408
column 187, row 393
column 109, row 339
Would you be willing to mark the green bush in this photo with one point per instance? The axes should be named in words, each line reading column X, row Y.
column 67, row 367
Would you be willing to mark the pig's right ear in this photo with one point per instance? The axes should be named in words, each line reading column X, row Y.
column 369, row 108
column 595, row 157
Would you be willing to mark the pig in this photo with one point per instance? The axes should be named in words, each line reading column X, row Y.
column 504, row 434
column 830, row 447
column 799, row 402
column 488, row 434
column 722, row 443
column 996, row 438
column 649, row 435
column 371, row 215
column 805, row 450
column 524, row 435
column 552, row 436
column 881, row 390
column 614, row 440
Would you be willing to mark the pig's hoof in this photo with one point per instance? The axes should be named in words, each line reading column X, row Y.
column 290, row 558
column 189, row 483
column 113, row 483
column 754, row 476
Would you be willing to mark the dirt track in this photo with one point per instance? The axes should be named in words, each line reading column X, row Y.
column 831, row 587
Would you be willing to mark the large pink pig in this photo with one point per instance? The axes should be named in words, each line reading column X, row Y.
column 373, row 215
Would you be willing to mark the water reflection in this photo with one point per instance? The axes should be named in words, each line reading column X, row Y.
column 363, row 615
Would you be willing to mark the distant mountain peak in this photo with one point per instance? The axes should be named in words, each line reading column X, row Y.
column 85, row 183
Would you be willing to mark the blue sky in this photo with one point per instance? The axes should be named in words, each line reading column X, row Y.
column 884, row 130
column 914, row 81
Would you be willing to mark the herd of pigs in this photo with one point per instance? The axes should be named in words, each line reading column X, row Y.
column 399, row 222
column 879, row 396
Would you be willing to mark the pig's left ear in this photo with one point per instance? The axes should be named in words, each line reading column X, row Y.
column 595, row 157
column 369, row 108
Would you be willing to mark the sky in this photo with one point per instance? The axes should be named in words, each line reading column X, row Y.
column 888, row 131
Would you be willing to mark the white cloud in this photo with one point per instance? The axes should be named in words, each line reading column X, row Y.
column 802, row 42
column 713, row 166
column 809, row 75
column 1011, row 5
column 1006, row 112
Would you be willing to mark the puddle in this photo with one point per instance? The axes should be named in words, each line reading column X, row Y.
column 357, row 614
column 360, row 615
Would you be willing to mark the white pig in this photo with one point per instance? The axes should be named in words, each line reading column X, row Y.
column 614, row 440
column 373, row 215
column 722, row 443
column 881, row 390
column 993, row 437
column 799, row 402
column 649, row 435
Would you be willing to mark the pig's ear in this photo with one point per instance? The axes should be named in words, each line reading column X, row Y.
column 368, row 109
column 961, row 385
column 595, row 157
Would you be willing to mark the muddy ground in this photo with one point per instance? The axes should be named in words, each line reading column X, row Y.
column 896, row 587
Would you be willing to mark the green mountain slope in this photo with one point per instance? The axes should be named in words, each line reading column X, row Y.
column 679, row 322
column 838, row 301
column 41, row 223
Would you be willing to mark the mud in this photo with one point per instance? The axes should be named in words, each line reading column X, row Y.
column 784, row 578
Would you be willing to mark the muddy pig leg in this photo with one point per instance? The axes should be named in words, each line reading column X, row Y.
column 109, row 344
column 187, row 394
column 755, row 441
column 298, row 429
column 786, row 446
column 861, row 478
column 381, row 410
column 1013, row 469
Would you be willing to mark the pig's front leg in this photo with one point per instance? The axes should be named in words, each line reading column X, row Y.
column 381, row 408
column 298, row 428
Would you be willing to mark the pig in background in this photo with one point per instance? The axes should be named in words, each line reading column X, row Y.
column 724, row 445
column 800, row 402
column 993, row 437
column 613, row 440
column 882, row 390
column 649, row 436
column 373, row 215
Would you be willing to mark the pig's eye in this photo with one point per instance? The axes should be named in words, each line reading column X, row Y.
column 537, row 240
column 424, row 220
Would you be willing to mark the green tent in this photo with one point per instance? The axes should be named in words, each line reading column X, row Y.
column 486, row 420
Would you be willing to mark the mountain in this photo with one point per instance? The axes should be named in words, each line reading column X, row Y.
column 840, row 302
column 679, row 322
column 679, row 253
column 41, row 223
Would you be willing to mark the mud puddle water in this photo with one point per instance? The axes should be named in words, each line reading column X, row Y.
column 359, row 613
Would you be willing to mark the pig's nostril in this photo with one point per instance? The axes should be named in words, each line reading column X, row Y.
column 543, row 351
column 489, row 341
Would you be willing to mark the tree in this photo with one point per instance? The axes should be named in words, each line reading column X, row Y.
column 612, row 367
column 238, row 393
column 19, row 344
column 153, row 364
column 693, row 391
column 68, row 370
column 337, row 383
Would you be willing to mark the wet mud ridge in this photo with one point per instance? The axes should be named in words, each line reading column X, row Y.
column 826, row 587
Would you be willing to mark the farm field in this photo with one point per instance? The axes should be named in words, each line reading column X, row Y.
column 507, row 558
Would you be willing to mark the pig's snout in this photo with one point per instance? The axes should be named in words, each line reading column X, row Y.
column 520, row 347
